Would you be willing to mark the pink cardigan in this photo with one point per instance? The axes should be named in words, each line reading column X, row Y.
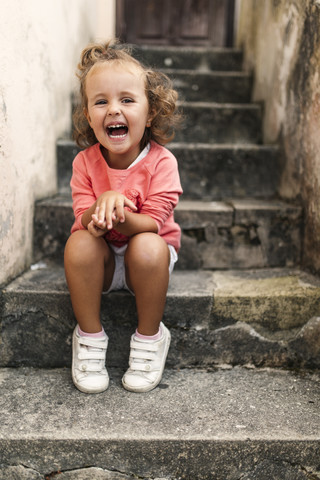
column 153, row 184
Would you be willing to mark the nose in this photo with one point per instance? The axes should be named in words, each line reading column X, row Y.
column 113, row 109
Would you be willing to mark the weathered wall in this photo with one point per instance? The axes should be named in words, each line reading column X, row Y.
column 40, row 46
column 281, row 41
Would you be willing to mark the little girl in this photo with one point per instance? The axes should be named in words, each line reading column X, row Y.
column 125, row 186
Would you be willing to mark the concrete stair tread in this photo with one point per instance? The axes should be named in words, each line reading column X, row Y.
column 260, row 295
column 210, row 146
column 220, row 105
column 197, row 424
column 48, row 277
column 199, row 58
column 67, row 142
column 181, row 49
column 195, row 212
column 250, row 204
column 208, row 73
column 225, row 403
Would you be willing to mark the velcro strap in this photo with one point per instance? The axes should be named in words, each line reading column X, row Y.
column 91, row 356
column 150, row 347
column 90, row 367
column 142, row 355
column 142, row 367
column 92, row 342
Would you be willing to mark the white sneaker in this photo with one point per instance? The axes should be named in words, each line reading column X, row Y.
column 89, row 372
column 146, row 362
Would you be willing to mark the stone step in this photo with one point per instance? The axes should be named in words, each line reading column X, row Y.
column 213, row 172
column 230, row 234
column 267, row 317
column 204, row 425
column 191, row 58
column 239, row 234
column 230, row 87
column 207, row 171
column 209, row 122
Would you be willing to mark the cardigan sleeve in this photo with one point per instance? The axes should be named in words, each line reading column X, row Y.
column 164, row 191
column 82, row 193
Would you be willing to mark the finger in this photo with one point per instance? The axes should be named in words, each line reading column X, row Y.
column 100, row 213
column 119, row 211
column 91, row 228
column 95, row 220
column 129, row 203
column 109, row 219
column 96, row 231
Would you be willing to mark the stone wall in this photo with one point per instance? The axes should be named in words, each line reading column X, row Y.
column 40, row 46
column 281, row 41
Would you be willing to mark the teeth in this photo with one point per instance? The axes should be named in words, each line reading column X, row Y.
column 113, row 128
column 116, row 126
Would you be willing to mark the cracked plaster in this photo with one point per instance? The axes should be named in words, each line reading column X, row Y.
column 281, row 45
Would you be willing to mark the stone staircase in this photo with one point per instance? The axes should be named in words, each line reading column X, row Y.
column 240, row 394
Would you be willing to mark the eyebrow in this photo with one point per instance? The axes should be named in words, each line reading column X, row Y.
column 125, row 93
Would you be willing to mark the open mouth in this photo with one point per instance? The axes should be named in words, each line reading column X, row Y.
column 117, row 131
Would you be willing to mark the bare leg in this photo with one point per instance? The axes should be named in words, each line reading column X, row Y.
column 89, row 267
column 147, row 261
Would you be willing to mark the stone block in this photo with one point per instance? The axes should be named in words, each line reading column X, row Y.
column 198, row 58
column 275, row 299
column 216, row 172
column 252, row 234
column 221, row 87
column 306, row 345
column 279, row 470
column 18, row 472
column 53, row 219
column 206, row 122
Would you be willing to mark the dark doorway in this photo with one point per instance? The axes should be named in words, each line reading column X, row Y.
column 179, row 22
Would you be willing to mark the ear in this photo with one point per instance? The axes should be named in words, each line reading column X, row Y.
column 150, row 118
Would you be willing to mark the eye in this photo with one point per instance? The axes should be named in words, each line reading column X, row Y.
column 127, row 100
column 100, row 102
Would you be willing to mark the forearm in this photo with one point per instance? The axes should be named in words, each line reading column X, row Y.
column 136, row 223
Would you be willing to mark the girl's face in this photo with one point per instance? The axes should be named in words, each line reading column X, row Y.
column 118, row 111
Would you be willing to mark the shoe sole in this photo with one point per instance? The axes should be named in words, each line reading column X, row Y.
column 148, row 388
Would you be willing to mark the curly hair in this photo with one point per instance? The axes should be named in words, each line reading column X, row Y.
column 161, row 96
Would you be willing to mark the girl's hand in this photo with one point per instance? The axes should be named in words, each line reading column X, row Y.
column 110, row 210
column 96, row 231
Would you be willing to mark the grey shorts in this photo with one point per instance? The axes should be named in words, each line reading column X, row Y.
column 119, row 276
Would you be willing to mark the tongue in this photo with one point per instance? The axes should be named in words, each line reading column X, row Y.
column 117, row 132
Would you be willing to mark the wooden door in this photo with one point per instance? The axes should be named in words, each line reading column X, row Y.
column 175, row 22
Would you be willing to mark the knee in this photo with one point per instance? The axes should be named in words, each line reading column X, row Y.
column 82, row 248
column 148, row 250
